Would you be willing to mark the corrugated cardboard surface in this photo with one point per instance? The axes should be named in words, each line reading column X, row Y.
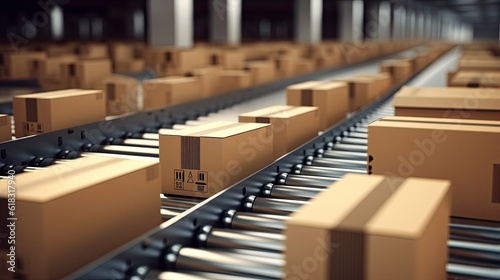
column 69, row 214
column 55, row 110
column 234, row 79
column 354, row 230
column 331, row 99
column 206, row 159
column 161, row 92
column 463, row 151
column 121, row 94
column 5, row 128
column 291, row 125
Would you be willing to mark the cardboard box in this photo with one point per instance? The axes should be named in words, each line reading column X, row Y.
column 383, row 80
column 399, row 70
column 161, row 92
column 74, row 213
column 456, row 103
column 50, row 111
column 228, row 60
column 209, row 78
column 19, row 65
column 261, row 72
column 474, row 79
column 203, row 160
column 463, row 151
column 284, row 65
column 331, row 99
column 5, row 128
column 169, row 61
column 120, row 93
column 361, row 91
column 292, row 126
column 84, row 73
column 50, row 72
column 231, row 80
column 92, row 51
column 303, row 66
column 130, row 66
column 371, row 228
column 491, row 64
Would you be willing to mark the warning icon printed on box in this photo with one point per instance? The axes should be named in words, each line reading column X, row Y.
column 179, row 179
column 202, row 177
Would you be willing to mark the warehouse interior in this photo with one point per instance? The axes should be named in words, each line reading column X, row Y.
column 250, row 139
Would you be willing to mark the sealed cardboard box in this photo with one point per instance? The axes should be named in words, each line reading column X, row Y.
column 120, row 93
column 463, row 151
column 228, row 60
column 84, row 209
column 169, row 61
column 303, row 65
column 474, row 79
column 49, row 111
column 161, row 92
column 491, row 64
column 331, row 99
column 292, row 126
column 284, row 65
column 234, row 79
column 384, row 81
column 19, row 65
column 361, row 91
column 50, row 72
column 92, row 51
column 206, row 159
column 399, row 70
column 84, row 73
column 129, row 66
column 456, row 103
column 5, row 128
column 371, row 228
column 209, row 78
column 261, row 72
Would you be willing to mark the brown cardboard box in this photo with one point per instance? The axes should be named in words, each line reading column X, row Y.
column 371, row 228
column 19, row 65
column 463, row 151
column 50, row 72
column 399, row 70
column 303, row 66
column 261, row 72
column 361, row 91
column 474, row 79
column 234, row 80
column 421, row 61
column 120, row 93
column 5, row 128
column 209, row 78
column 206, row 159
column 331, row 99
column 84, row 73
column 161, row 92
column 92, row 51
column 74, row 213
column 456, row 103
column 168, row 61
column 228, row 60
column 50, row 111
column 292, row 126
column 130, row 66
column 284, row 65
column 384, row 82
column 491, row 64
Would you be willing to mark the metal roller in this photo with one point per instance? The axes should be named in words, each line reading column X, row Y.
column 357, row 135
column 353, row 141
column 210, row 237
column 473, row 271
column 181, row 258
column 345, row 155
column 289, row 192
column 350, row 148
column 475, row 233
column 178, row 202
column 167, row 214
column 137, row 151
column 253, row 221
column 253, row 203
column 145, row 273
column 324, row 171
column 473, row 252
column 305, row 180
column 336, row 163
column 141, row 142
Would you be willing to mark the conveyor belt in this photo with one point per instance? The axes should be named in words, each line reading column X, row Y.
column 237, row 233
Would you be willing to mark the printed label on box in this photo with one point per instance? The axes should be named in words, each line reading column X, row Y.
column 32, row 127
column 191, row 180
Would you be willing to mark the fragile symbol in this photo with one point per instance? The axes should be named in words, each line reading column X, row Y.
column 190, row 178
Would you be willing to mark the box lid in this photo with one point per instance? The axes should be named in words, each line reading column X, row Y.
column 305, row 85
column 453, row 98
column 59, row 94
column 220, row 129
column 374, row 204
column 63, row 179
column 280, row 111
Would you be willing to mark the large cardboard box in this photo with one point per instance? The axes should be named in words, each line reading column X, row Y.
column 120, row 93
column 73, row 213
column 384, row 82
column 292, row 126
column 371, row 228
column 206, row 159
column 456, row 103
column 50, row 72
column 209, row 78
column 84, row 73
column 303, row 66
column 5, row 128
column 463, row 151
column 284, row 65
column 19, row 65
column 50, row 111
column 361, row 91
column 261, row 72
column 169, row 61
column 474, row 79
column 161, row 92
column 228, row 60
column 331, row 99
column 92, row 51
column 399, row 70
column 234, row 80
column 130, row 66
column 492, row 64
